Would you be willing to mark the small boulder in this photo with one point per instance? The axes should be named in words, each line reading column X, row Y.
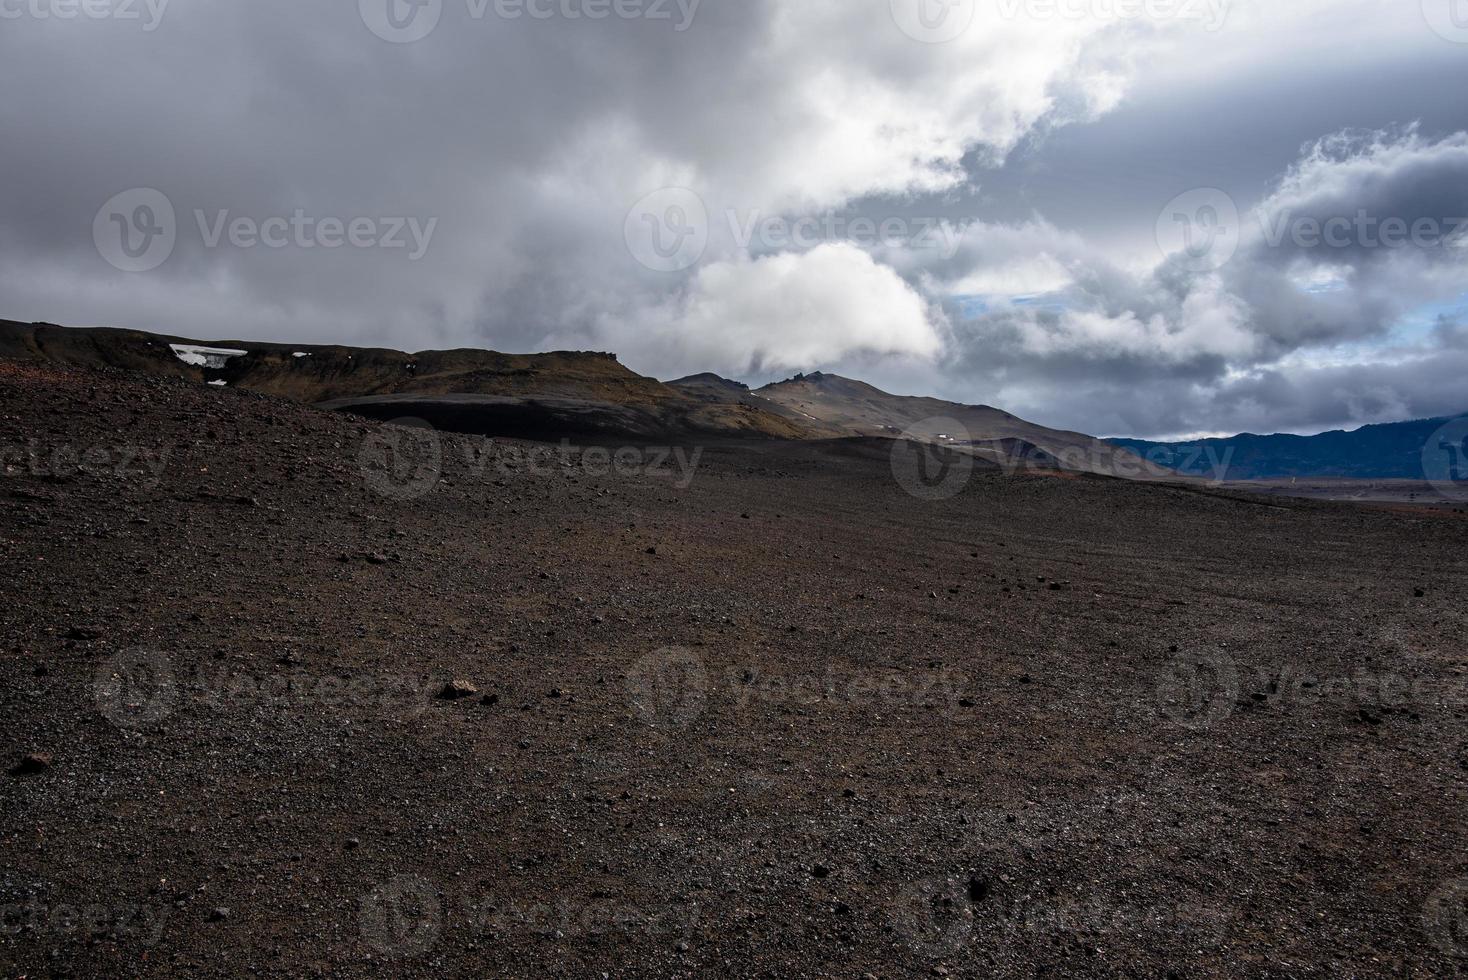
column 32, row 765
column 457, row 691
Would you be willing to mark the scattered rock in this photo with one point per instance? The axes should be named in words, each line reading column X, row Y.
column 84, row 633
column 490, row 699
column 820, row 871
column 220, row 915
column 32, row 765
column 377, row 558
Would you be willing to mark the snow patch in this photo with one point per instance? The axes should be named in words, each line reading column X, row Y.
column 205, row 357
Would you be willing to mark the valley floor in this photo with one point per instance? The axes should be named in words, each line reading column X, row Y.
column 739, row 709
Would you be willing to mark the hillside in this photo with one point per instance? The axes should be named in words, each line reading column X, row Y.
column 860, row 409
column 532, row 393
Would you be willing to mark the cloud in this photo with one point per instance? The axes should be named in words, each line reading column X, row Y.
column 783, row 312
column 530, row 139
column 1184, row 348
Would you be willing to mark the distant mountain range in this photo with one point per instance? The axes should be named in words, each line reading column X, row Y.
column 591, row 394
column 1390, row 451
column 572, row 394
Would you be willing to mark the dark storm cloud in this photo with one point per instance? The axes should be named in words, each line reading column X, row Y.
column 508, row 151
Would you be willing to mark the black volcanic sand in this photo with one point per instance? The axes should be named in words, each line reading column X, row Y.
column 787, row 720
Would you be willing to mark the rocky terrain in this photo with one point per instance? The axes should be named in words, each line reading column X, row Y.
column 293, row 693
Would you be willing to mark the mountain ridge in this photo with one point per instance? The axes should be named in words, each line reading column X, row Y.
column 1379, row 450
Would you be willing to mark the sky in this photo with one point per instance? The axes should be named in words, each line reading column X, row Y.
column 1152, row 218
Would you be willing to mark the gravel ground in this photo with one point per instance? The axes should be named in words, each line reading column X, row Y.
column 739, row 709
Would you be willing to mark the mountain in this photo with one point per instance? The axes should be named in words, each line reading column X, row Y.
column 547, row 396
column 857, row 408
column 1389, row 451
column 463, row 390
